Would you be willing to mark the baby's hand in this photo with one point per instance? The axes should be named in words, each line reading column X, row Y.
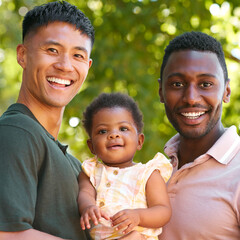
column 128, row 219
column 92, row 213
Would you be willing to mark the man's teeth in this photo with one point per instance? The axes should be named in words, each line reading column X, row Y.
column 192, row 115
column 59, row 81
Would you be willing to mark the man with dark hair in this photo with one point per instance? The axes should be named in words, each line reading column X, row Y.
column 39, row 185
column 205, row 186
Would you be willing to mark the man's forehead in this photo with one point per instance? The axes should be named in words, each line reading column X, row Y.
column 192, row 57
column 192, row 61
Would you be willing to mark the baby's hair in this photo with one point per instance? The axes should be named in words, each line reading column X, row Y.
column 112, row 100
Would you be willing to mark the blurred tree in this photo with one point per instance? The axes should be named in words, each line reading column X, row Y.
column 130, row 39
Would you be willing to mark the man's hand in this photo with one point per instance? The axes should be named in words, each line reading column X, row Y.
column 126, row 219
column 92, row 213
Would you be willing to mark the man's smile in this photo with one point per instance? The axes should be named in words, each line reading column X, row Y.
column 65, row 82
column 192, row 115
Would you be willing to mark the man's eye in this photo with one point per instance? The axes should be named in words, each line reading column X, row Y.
column 102, row 131
column 177, row 84
column 206, row 85
column 78, row 55
column 123, row 129
column 53, row 50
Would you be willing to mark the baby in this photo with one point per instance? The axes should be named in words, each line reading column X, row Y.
column 116, row 194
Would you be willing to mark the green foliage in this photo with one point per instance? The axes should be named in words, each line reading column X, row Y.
column 130, row 39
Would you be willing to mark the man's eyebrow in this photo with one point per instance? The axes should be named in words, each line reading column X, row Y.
column 52, row 42
column 177, row 74
column 81, row 49
column 207, row 75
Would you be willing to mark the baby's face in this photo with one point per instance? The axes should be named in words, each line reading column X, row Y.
column 114, row 137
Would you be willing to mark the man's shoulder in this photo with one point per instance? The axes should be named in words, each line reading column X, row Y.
column 19, row 126
column 20, row 118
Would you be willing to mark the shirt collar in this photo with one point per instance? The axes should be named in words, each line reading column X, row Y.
column 223, row 150
column 226, row 146
column 26, row 111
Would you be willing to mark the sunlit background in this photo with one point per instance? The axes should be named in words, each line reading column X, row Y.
column 130, row 39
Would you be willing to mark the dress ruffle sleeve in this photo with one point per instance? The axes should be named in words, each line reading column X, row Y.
column 161, row 163
column 89, row 168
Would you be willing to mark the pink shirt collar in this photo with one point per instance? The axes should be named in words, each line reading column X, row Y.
column 222, row 151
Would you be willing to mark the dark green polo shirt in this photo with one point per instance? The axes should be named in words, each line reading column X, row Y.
column 38, row 178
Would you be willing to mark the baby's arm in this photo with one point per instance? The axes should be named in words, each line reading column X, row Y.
column 87, row 202
column 156, row 215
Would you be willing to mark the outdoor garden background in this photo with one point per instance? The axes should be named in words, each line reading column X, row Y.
column 130, row 39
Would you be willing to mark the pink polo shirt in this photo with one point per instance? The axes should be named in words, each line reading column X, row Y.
column 205, row 194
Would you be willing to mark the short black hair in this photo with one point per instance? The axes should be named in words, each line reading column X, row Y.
column 61, row 11
column 196, row 41
column 112, row 100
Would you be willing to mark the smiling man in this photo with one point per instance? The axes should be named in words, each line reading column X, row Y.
column 205, row 186
column 39, row 186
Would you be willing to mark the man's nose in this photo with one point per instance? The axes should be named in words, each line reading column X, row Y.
column 64, row 63
column 191, row 94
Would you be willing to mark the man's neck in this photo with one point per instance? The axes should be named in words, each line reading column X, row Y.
column 190, row 149
column 50, row 120
column 49, row 117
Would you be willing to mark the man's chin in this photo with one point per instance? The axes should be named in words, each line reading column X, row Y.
column 193, row 133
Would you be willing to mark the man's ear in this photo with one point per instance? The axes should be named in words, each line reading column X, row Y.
column 21, row 55
column 90, row 146
column 227, row 92
column 160, row 90
column 140, row 141
column 90, row 63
